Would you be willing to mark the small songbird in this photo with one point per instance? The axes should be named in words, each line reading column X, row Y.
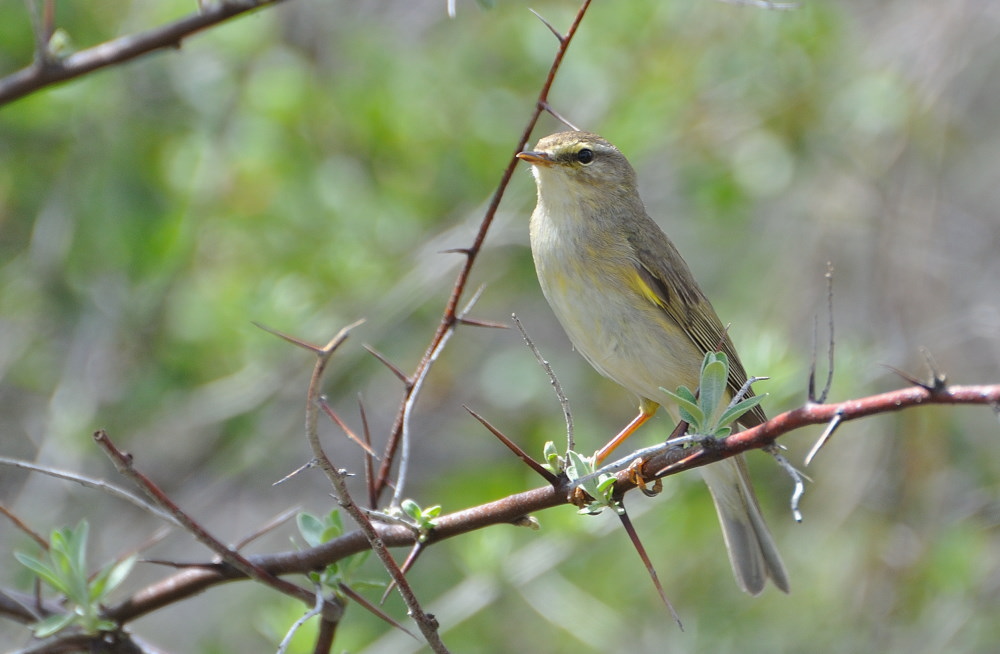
column 632, row 308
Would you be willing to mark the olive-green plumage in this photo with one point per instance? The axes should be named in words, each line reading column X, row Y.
column 631, row 307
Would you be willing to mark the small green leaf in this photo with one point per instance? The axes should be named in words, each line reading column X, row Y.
column 44, row 572
column 53, row 624
column 713, row 388
column 334, row 521
column 735, row 412
column 577, row 465
column 110, row 577
column 411, row 508
column 311, row 529
column 553, row 460
column 688, row 407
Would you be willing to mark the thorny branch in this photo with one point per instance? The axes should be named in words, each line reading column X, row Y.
column 511, row 509
column 449, row 318
column 48, row 69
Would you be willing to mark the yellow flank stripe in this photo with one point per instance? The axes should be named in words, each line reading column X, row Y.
column 644, row 289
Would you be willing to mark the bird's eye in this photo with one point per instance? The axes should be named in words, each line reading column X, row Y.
column 585, row 156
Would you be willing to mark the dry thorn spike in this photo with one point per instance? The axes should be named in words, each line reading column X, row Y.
column 466, row 251
column 315, row 349
column 369, row 460
column 515, row 448
column 391, row 366
column 408, row 562
column 374, row 610
column 825, row 436
column 907, row 377
column 641, row 550
column 328, row 410
column 339, row 338
column 558, row 116
column 938, row 379
column 555, row 32
column 489, row 324
column 326, row 350
column 304, row 466
column 677, row 464
column 268, row 526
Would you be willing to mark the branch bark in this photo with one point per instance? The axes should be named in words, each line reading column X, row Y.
column 513, row 508
column 46, row 71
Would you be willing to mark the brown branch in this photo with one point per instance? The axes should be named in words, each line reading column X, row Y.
column 511, row 509
column 46, row 70
column 124, row 464
column 449, row 318
column 767, row 433
column 337, row 477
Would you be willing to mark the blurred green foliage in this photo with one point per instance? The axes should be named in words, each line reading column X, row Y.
column 305, row 166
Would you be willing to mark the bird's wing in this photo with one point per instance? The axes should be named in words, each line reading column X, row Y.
column 674, row 290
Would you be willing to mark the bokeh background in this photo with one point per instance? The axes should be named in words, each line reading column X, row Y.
column 306, row 166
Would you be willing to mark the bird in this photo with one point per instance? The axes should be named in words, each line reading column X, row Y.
column 631, row 307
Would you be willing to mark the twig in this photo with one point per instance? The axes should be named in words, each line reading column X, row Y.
column 32, row 534
column 123, row 463
column 471, row 253
column 556, row 386
column 830, row 345
column 511, row 509
column 46, row 71
column 411, row 401
column 317, row 609
column 337, row 477
column 90, row 482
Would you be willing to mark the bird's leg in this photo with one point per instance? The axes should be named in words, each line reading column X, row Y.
column 629, row 429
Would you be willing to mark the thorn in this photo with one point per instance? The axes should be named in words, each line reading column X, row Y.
column 270, row 525
column 516, row 449
column 304, row 466
column 369, row 460
column 473, row 322
column 907, row 377
column 562, row 39
column 388, row 364
column 328, row 410
column 411, row 558
column 374, row 610
column 825, row 436
column 677, row 464
column 466, row 251
column 340, row 337
column 938, row 379
column 634, row 537
column 722, row 338
column 558, row 116
column 315, row 349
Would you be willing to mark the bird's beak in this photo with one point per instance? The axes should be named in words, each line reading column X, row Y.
column 535, row 158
